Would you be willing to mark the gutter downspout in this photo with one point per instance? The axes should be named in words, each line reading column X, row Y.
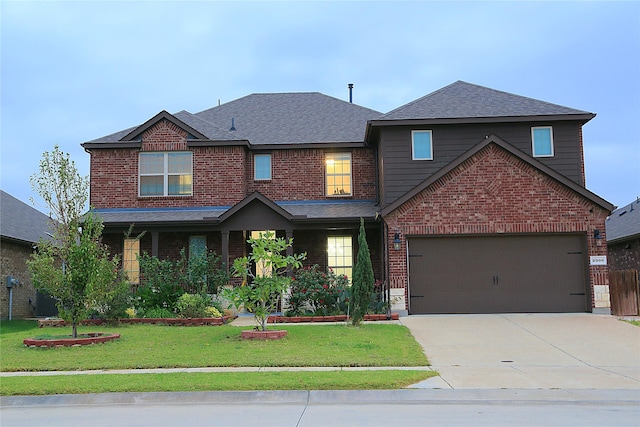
column 385, row 262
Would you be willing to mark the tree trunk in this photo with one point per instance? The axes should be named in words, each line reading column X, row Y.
column 74, row 329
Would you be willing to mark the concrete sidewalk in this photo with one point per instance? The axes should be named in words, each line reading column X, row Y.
column 529, row 351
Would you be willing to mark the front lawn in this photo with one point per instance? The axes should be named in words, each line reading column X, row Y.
column 153, row 346
column 220, row 381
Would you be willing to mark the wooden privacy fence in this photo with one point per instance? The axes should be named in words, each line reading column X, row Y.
column 624, row 292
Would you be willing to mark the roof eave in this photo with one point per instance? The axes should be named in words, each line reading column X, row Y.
column 584, row 118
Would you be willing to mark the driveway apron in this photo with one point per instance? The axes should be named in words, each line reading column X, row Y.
column 529, row 351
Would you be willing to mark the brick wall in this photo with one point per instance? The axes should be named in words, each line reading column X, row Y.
column 222, row 176
column 13, row 264
column 494, row 192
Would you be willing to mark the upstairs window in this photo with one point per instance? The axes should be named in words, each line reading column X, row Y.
column 262, row 167
column 421, row 145
column 338, row 170
column 166, row 174
column 542, row 141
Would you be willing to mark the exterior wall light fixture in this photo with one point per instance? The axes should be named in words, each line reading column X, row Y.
column 396, row 241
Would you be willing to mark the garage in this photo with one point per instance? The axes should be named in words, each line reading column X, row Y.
column 542, row 273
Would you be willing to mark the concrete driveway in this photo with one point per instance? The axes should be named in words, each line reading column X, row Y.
column 529, row 351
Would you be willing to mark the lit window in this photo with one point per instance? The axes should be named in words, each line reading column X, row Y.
column 542, row 141
column 340, row 255
column 130, row 263
column 338, row 168
column 421, row 145
column 262, row 166
column 166, row 174
column 263, row 269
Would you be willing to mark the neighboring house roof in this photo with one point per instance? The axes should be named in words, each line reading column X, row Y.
column 270, row 119
column 298, row 211
column 462, row 100
column 492, row 139
column 624, row 223
column 20, row 222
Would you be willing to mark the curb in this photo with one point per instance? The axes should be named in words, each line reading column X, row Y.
column 335, row 397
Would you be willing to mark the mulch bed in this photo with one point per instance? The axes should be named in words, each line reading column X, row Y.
column 178, row 321
column 340, row 318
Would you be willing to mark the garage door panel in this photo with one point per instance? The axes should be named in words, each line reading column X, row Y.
column 491, row 274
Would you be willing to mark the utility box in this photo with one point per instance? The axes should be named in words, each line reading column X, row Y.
column 11, row 282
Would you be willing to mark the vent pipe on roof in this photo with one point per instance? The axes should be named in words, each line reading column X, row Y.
column 233, row 126
column 350, row 85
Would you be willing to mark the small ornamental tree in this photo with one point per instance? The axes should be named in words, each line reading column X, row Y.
column 363, row 279
column 264, row 276
column 74, row 267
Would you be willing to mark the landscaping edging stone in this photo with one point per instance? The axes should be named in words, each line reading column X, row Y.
column 339, row 318
column 93, row 338
column 177, row 321
column 263, row 335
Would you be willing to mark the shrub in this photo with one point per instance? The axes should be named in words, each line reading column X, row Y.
column 212, row 312
column 157, row 313
column 159, row 286
column 363, row 279
column 131, row 313
column 314, row 292
column 192, row 305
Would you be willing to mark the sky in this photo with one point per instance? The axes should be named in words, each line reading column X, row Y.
column 75, row 71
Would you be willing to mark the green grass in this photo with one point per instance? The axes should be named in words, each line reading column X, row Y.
column 334, row 380
column 153, row 346
column 633, row 322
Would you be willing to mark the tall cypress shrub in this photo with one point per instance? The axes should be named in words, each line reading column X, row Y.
column 363, row 280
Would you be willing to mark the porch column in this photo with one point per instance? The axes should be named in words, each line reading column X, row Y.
column 289, row 235
column 154, row 243
column 225, row 248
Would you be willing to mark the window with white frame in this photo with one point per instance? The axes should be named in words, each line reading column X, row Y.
column 166, row 174
column 542, row 141
column 421, row 145
column 338, row 174
column 130, row 263
column 340, row 255
column 262, row 167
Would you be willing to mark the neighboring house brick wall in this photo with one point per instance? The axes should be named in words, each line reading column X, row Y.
column 494, row 192
column 624, row 255
column 14, row 264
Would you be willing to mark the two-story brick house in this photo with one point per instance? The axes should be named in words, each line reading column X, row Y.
column 474, row 199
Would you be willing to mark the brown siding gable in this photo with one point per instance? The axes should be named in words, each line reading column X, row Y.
column 493, row 139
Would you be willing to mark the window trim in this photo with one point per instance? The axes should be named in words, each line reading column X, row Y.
column 413, row 144
column 533, row 141
column 255, row 166
column 350, row 174
column 165, row 174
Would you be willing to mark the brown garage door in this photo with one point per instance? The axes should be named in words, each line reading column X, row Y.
column 498, row 274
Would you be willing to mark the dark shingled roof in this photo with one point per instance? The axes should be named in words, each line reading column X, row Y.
column 466, row 100
column 21, row 222
column 291, row 118
column 624, row 223
column 330, row 210
column 276, row 118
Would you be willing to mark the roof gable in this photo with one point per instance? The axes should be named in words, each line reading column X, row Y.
column 137, row 132
column 492, row 139
column 465, row 100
